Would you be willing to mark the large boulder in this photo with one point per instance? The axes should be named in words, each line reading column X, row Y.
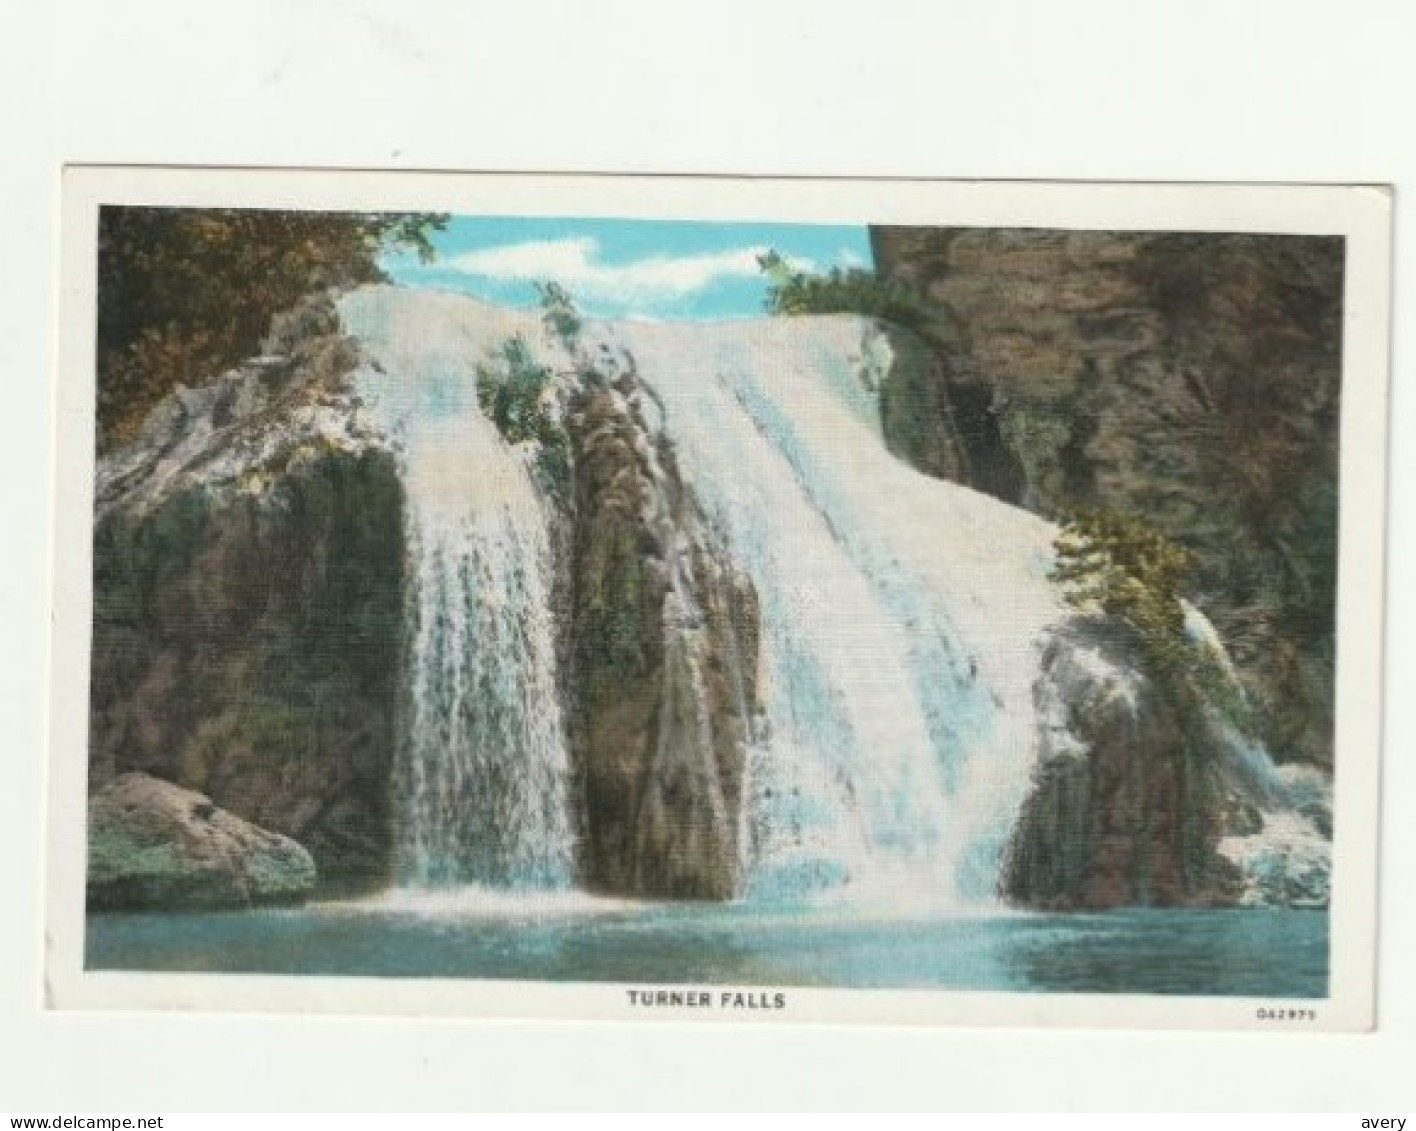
column 154, row 845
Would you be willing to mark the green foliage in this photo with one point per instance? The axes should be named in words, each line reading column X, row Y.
column 510, row 389
column 515, row 394
column 559, row 314
column 1119, row 566
column 184, row 293
column 840, row 291
column 518, row 394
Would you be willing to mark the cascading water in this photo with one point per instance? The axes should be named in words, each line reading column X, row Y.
column 901, row 616
column 895, row 747
column 898, row 718
column 483, row 771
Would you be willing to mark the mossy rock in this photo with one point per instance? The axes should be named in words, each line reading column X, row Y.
column 153, row 845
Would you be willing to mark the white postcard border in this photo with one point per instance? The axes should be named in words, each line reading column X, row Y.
column 1360, row 213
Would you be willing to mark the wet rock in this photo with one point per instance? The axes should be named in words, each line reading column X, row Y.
column 1144, row 796
column 1287, row 863
column 1130, row 796
column 664, row 655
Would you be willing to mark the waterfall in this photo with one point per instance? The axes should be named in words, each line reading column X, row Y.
column 894, row 722
column 483, row 772
column 899, row 612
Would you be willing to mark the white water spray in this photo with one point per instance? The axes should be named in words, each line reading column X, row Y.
column 483, row 770
column 900, row 613
column 902, row 617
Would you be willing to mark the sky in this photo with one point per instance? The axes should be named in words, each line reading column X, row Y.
column 618, row 268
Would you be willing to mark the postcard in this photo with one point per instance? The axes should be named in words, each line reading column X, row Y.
column 719, row 599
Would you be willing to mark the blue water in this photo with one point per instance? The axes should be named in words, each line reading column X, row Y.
column 1281, row 954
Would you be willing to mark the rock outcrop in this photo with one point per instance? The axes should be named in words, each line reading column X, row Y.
column 248, row 600
column 1125, row 808
column 664, row 638
column 154, row 845
column 1190, row 377
column 1144, row 796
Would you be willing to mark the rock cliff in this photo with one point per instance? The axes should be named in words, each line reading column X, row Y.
column 1132, row 794
column 1191, row 378
column 1144, row 794
column 247, row 600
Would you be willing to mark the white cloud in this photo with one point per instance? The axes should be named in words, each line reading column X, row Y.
column 576, row 264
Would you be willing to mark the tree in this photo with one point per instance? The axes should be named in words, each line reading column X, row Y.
column 516, row 394
column 511, row 390
column 1120, row 567
column 559, row 314
column 184, row 293
column 840, row 291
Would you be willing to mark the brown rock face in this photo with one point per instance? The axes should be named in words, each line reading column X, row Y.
column 1131, row 796
column 664, row 641
column 248, row 607
column 1190, row 378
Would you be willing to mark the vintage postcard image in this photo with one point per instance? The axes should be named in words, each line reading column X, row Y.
column 678, row 598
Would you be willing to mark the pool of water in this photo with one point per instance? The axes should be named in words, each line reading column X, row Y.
column 560, row 939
